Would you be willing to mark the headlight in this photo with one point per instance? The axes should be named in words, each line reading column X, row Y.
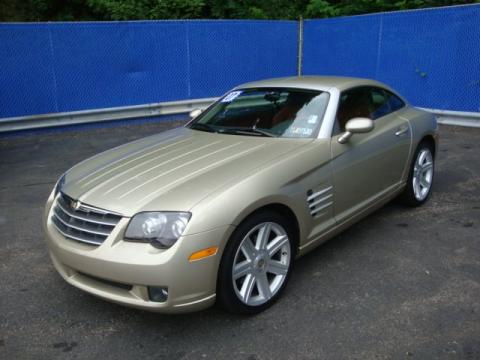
column 59, row 185
column 161, row 229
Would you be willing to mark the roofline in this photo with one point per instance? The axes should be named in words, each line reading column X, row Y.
column 321, row 83
column 311, row 82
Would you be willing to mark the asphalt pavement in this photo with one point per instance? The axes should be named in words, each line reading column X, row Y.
column 401, row 284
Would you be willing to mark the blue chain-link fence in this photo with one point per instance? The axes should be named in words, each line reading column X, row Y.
column 430, row 56
column 56, row 67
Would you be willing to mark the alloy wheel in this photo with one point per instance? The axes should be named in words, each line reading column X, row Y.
column 261, row 263
column 422, row 174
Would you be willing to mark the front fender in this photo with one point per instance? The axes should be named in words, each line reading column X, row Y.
column 283, row 182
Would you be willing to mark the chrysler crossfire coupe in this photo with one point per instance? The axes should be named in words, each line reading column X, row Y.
column 217, row 210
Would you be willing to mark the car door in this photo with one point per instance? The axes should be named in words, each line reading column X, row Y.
column 368, row 166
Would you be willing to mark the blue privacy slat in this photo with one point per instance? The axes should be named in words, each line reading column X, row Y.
column 104, row 65
column 27, row 84
column 54, row 67
column 431, row 56
column 224, row 54
column 341, row 46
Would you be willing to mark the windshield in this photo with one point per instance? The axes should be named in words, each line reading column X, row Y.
column 276, row 112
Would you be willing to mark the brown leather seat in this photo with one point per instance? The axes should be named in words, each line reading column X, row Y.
column 288, row 112
column 354, row 106
column 294, row 103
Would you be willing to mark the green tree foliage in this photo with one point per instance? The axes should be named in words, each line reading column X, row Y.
column 44, row 10
column 146, row 9
column 69, row 10
column 323, row 8
column 252, row 9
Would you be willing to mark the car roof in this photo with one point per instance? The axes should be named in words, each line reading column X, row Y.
column 322, row 83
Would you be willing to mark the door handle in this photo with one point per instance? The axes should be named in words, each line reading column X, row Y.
column 401, row 131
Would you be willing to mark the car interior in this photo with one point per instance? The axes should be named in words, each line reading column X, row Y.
column 367, row 102
column 267, row 114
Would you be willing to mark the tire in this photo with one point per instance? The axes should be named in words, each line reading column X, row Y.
column 420, row 177
column 263, row 264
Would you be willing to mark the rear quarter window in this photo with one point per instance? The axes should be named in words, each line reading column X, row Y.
column 384, row 102
column 395, row 102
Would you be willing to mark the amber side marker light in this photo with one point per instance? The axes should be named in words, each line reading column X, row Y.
column 198, row 255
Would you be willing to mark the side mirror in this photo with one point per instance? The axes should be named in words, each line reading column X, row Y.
column 195, row 112
column 356, row 126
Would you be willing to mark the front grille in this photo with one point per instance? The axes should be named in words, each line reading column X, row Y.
column 82, row 223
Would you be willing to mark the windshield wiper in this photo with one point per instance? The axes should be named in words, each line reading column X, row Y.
column 203, row 127
column 248, row 131
column 239, row 130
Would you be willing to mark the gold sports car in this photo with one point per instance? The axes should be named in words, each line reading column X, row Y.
column 217, row 211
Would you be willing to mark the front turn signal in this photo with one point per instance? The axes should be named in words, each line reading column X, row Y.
column 198, row 255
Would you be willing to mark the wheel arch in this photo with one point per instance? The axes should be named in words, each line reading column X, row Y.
column 225, row 290
column 429, row 139
column 279, row 208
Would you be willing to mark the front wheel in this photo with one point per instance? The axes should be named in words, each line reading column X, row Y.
column 420, row 178
column 256, row 264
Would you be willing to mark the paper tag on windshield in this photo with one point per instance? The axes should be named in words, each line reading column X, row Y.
column 232, row 96
column 312, row 119
column 301, row 131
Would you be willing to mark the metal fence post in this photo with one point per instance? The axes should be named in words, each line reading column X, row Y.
column 300, row 47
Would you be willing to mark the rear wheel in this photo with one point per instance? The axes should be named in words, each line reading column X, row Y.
column 420, row 178
column 256, row 264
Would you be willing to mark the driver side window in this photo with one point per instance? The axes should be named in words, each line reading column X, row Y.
column 368, row 102
column 353, row 103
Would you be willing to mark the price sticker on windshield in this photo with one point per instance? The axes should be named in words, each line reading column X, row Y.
column 232, row 96
column 301, row 131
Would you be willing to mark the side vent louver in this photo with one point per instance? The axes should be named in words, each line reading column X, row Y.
column 319, row 200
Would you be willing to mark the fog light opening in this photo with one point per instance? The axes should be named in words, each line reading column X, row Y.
column 157, row 293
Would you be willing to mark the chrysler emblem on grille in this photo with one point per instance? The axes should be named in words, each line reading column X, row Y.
column 75, row 204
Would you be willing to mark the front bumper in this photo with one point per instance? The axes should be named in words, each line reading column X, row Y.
column 121, row 271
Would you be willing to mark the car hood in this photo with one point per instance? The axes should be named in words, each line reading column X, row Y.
column 171, row 171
